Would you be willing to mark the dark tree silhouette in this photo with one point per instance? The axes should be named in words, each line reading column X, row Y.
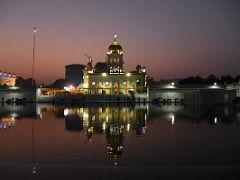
column 227, row 79
column 101, row 67
column 59, row 83
column 212, row 79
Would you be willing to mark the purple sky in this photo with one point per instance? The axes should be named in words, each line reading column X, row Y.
column 172, row 38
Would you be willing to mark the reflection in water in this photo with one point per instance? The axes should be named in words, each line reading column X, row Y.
column 18, row 111
column 196, row 114
column 114, row 138
column 34, row 167
column 172, row 119
column 98, row 119
column 114, row 122
column 7, row 122
column 9, row 113
column 101, row 119
column 73, row 122
column 111, row 121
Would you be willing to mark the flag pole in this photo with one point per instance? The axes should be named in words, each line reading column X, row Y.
column 33, row 65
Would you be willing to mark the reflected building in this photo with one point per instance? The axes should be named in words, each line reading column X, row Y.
column 114, row 137
column 73, row 122
column 18, row 111
column 7, row 122
column 10, row 113
column 107, row 118
column 115, row 122
column 101, row 119
column 111, row 121
column 141, row 120
column 213, row 115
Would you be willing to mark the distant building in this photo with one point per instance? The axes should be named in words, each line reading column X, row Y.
column 7, row 79
column 235, row 86
column 74, row 74
column 101, row 67
column 24, row 83
column 192, row 94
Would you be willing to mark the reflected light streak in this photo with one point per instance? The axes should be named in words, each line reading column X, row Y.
column 128, row 127
column 104, row 126
column 172, row 118
column 215, row 120
column 66, row 112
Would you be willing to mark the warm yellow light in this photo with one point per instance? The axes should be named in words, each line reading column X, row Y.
column 85, row 85
column 69, row 88
column 128, row 127
column 85, row 115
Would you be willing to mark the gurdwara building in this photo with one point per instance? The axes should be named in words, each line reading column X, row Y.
column 115, row 80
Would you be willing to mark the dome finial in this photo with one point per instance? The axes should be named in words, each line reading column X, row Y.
column 115, row 37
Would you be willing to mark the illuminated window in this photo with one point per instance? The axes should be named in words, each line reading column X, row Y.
column 107, row 83
column 100, row 110
column 100, row 84
column 124, row 83
column 93, row 83
column 115, row 84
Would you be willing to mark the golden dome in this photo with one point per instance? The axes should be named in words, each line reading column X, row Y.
column 115, row 46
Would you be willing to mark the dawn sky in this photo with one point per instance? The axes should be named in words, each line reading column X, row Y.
column 172, row 38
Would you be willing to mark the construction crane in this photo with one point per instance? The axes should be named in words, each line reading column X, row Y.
column 89, row 57
column 89, row 64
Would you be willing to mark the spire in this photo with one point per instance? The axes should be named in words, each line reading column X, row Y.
column 115, row 37
column 34, row 30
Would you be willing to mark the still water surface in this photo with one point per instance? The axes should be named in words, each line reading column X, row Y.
column 144, row 141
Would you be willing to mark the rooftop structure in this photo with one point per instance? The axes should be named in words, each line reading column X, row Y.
column 115, row 80
column 7, row 79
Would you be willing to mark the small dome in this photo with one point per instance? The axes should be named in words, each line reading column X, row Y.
column 115, row 46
